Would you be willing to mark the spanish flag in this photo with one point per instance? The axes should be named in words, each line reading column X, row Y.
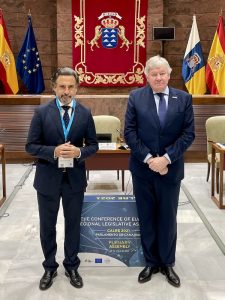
column 8, row 75
column 215, row 68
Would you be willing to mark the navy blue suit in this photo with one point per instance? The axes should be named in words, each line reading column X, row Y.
column 157, row 195
column 52, row 183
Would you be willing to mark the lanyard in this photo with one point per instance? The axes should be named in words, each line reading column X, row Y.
column 66, row 130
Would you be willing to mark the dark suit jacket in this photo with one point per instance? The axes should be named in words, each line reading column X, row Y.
column 46, row 133
column 144, row 135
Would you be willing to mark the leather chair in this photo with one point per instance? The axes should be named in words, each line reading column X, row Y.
column 215, row 132
column 108, row 125
column 105, row 124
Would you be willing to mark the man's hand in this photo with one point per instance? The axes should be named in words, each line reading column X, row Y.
column 67, row 151
column 158, row 164
column 164, row 171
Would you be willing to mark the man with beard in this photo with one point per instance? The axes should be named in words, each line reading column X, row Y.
column 61, row 136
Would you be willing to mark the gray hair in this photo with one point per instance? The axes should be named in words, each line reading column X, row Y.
column 66, row 71
column 156, row 62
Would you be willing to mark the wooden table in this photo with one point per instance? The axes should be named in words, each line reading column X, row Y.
column 109, row 160
column 217, row 149
column 3, row 179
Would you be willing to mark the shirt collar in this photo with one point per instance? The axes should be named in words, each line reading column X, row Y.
column 69, row 104
column 165, row 92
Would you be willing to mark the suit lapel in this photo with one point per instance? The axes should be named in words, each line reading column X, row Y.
column 55, row 115
column 172, row 106
column 76, row 121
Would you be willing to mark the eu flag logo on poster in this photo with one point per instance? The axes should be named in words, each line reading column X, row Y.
column 28, row 63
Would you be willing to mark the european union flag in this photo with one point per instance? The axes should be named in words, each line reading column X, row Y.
column 28, row 63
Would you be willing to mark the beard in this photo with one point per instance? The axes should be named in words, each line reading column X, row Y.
column 65, row 99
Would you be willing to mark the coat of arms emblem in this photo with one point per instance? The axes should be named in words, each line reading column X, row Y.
column 193, row 61
column 110, row 32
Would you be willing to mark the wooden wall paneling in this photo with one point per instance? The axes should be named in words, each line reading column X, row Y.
column 16, row 113
column 15, row 117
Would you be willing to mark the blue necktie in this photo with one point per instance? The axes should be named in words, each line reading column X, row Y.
column 162, row 109
column 66, row 116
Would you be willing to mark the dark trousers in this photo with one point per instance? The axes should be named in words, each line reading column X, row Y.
column 48, row 212
column 157, row 203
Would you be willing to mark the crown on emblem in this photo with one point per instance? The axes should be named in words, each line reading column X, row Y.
column 109, row 23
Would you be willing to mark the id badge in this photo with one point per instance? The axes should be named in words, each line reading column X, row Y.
column 65, row 162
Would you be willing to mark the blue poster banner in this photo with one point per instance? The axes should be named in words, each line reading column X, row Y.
column 110, row 232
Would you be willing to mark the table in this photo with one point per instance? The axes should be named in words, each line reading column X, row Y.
column 109, row 160
column 3, row 179
column 217, row 149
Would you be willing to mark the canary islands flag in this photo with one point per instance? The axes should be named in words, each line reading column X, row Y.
column 193, row 68
column 28, row 63
column 8, row 75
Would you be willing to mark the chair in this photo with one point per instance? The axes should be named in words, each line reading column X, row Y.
column 215, row 132
column 106, row 125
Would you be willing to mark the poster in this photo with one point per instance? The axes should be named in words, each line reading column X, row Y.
column 110, row 234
